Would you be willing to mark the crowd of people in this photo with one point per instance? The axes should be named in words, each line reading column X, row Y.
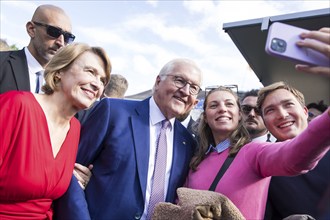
column 82, row 151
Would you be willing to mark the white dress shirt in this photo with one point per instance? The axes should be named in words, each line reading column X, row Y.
column 264, row 138
column 185, row 122
column 33, row 66
column 156, row 117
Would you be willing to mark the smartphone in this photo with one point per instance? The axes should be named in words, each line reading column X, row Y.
column 281, row 42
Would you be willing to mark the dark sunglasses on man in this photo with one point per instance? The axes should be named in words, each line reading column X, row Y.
column 247, row 109
column 56, row 32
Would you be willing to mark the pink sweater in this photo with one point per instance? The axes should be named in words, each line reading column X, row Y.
column 247, row 179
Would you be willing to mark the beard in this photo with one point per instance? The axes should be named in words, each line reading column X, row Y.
column 256, row 131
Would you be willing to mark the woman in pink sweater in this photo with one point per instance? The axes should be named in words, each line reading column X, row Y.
column 246, row 181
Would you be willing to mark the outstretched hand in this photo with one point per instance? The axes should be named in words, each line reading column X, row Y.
column 322, row 45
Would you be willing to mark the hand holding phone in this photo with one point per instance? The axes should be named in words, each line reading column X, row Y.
column 282, row 42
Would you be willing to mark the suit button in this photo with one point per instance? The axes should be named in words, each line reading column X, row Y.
column 137, row 216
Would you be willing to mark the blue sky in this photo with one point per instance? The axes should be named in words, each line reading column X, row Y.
column 141, row 36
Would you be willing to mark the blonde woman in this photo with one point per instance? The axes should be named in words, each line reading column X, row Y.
column 39, row 135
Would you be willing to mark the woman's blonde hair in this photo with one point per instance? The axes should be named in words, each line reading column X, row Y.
column 238, row 138
column 65, row 57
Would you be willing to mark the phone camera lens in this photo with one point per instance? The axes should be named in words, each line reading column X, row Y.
column 278, row 45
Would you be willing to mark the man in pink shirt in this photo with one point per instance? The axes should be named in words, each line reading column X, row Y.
column 286, row 116
column 246, row 181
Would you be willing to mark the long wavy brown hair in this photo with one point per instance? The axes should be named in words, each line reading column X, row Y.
column 238, row 138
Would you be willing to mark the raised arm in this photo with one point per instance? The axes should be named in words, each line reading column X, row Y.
column 298, row 155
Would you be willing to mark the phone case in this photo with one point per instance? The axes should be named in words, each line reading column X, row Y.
column 281, row 42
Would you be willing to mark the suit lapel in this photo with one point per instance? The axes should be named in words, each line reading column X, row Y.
column 182, row 150
column 20, row 68
column 190, row 124
column 181, row 157
column 141, row 133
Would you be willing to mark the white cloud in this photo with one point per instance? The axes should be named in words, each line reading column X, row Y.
column 152, row 3
column 141, row 36
column 143, row 65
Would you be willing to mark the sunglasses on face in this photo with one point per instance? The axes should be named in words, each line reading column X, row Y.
column 56, row 32
column 247, row 109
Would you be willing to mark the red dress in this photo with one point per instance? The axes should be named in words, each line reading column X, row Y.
column 30, row 177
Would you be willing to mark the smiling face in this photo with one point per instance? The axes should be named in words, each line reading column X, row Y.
column 83, row 82
column 170, row 99
column 221, row 114
column 252, row 120
column 283, row 115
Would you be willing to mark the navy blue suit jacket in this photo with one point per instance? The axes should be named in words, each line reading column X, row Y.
column 14, row 72
column 115, row 139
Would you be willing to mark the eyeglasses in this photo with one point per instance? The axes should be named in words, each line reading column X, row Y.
column 180, row 82
column 56, row 32
column 247, row 109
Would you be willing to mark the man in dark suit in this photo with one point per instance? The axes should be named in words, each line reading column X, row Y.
column 191, row 125
column 49, row 30
column 119, row 139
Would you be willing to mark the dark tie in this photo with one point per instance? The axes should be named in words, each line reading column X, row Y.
column 39, row 81
column 268, row 137
column 157, row 188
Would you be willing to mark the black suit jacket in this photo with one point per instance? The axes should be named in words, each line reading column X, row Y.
column 14, row 72
column 192, row 127
column 193, row 130
column 301, row 194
